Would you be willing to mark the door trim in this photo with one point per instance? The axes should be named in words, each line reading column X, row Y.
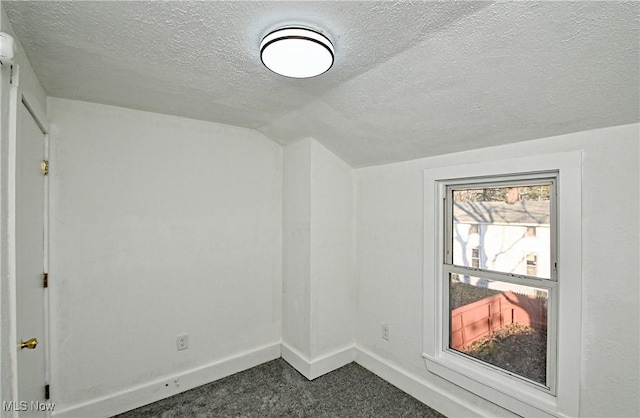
column 41, row 121
column 32, row 108
column 17, row 97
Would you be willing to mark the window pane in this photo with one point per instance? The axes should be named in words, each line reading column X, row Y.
column 500, row 323
column 497, row 228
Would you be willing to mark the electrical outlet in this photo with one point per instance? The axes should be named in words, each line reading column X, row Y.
column 385, row 331
column 183, row 342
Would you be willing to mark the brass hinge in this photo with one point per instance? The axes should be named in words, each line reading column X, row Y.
column 47, row 392
column 45, row 280
column 44, row 165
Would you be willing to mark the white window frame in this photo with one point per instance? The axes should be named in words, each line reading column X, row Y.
column 495, row 385
column 449, row 267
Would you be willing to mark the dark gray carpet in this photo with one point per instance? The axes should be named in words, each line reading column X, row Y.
column 275, row 389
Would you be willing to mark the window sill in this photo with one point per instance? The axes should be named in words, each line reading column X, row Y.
column 495, row 386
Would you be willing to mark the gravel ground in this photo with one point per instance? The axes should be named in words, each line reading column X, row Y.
column 516, row 348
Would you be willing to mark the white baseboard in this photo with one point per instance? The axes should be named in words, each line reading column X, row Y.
column 296, row 360
column 136, row 397
column 417, row 387
column 332, row 361
column 318, row 367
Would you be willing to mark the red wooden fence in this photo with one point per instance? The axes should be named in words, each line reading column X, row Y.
column 471, row 322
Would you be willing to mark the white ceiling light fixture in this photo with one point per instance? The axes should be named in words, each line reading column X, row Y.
column 297, row 52
column 7, row 48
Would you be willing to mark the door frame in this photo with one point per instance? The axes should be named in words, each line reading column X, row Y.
column 17, row 97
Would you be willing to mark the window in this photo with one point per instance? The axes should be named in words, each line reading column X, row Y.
column 475, row 257
column 532, row 262
column 525, row 276
column 497, row 314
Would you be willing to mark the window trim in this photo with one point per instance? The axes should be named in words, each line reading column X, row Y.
column 475, row 259
column 509, row 392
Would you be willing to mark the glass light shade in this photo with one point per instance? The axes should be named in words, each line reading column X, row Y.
column 7, row 48
column 296, row 52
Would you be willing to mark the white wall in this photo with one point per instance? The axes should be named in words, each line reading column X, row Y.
column 160, row 226
column 10, row 94
column 318, row 303
column 296, row 302
column 332, row 245
column 389, row 226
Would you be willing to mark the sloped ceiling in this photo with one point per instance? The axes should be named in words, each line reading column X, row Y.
column 411, row 79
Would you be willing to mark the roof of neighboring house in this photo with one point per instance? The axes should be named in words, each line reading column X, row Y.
column 523, row 212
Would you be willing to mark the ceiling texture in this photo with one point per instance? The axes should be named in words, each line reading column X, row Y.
column 410, row 79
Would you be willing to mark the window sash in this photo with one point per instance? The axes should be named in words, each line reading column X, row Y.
column 503, row 181
column 550, row 284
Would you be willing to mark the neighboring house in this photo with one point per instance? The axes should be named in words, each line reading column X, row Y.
column 508, row 237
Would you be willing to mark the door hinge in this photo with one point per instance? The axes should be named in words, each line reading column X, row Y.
column 45, row 280
column 44, row 165
column 14, row 75
column 47, row 392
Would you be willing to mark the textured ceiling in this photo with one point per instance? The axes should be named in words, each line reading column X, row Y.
column 411, row 79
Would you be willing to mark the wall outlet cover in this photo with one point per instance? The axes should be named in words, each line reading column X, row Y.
column 183, row 342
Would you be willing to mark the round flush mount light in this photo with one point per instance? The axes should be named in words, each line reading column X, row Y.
column 7, row 48
column 296, row 52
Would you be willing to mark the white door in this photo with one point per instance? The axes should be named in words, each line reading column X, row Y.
column 30, row 212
